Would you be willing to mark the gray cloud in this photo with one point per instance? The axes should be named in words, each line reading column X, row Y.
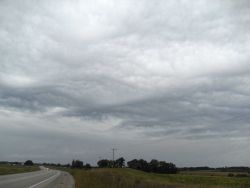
column 87, row 75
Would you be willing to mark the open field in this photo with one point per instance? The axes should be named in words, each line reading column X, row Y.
column 9, row 169
column 128, row 178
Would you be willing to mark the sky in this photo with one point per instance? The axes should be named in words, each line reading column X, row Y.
column 166, row 80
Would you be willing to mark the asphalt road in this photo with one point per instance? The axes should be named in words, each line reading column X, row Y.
column 44, row 178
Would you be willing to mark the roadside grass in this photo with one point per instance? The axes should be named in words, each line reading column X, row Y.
column 9, row 169
column 128, row 178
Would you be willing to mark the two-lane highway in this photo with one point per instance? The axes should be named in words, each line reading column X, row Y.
column 44, row 178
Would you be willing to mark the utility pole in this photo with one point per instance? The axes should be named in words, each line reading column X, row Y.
column 114, row 149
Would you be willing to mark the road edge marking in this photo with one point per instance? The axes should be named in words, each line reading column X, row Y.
column 44, row 180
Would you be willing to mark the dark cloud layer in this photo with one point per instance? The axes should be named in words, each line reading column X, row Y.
column 139, row 76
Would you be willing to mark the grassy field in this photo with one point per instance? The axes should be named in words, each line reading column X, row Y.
column 128, row 178
column 8, row 169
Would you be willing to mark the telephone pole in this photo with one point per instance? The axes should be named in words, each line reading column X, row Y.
column 114, row 149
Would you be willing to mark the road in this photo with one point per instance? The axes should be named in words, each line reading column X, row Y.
column 45, row 178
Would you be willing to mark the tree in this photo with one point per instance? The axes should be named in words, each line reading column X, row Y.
column 77, row 164
column 133, row 164
column 153, row 166
column 143, row 165
column 138, row 164
column 105, row 163
column 28, row 163
column 87, row 166
column 120, row 162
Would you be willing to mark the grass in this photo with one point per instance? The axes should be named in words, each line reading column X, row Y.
column 128, row 178
column 9, row 169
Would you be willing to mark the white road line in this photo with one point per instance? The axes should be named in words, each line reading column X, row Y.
column 19, row 178
column 44, row 180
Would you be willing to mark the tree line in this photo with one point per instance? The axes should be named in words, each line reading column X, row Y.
column 80, row 164
column 222, row 169
column 138, row 164
column 152, row 166
column 105, row 163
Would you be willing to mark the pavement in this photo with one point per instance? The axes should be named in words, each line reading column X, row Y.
column 45, row 178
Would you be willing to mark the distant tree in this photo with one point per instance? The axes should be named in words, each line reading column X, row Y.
column 143, row 165
column 138, row 164
column 105, row 163
column 133, row 164
column 77, row 164
column 153, row 166
column 67, row 165
column 120, row 162
column 28, row 163
column 172, row 169
column 87, row 166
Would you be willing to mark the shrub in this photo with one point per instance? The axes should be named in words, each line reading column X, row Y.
column 241, row 175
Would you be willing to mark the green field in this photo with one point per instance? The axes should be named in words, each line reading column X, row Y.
column 128, row 178
column 10, row 169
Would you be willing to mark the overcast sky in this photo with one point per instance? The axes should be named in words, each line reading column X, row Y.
column 156, row 79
